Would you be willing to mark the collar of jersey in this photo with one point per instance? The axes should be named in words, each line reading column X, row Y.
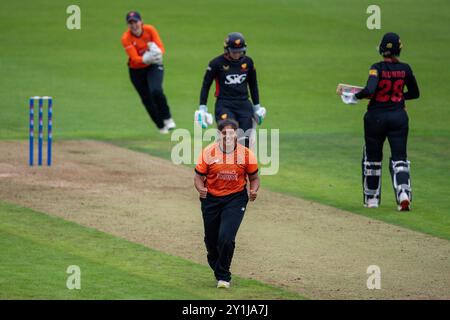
column 218, row 145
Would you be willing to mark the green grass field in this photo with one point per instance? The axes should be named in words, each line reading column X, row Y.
column 302, row 49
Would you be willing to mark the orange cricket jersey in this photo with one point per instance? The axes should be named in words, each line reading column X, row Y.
column 226, row 173
column 136, row 46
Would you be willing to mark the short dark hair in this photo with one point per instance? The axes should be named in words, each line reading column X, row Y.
column 227, row 122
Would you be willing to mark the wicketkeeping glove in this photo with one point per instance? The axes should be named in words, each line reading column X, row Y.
column 153, row 55
column 259, row 113
column 349, row 98
column 202, row 117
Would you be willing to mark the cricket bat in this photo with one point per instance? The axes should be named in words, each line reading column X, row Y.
column 342, row 87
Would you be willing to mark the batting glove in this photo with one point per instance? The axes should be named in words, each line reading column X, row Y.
column 259, row 113
column 202, row 117
column 349, row 98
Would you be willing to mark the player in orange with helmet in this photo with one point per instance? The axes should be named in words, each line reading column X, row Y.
column 221, row 178
column 145, row 62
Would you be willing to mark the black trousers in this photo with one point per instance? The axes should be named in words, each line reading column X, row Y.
column 148, row 83
column 222, row 217
column 382, row 124
column 239, row 110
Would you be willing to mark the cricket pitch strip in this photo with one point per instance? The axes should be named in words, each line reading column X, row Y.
column 315, row 250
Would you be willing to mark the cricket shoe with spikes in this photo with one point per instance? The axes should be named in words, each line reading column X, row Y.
column 223, row 284
column 164, row 130
column 404, row 201
column 170, row 124
column 372, row 203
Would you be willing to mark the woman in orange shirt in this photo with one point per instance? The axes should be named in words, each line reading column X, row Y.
column 145, row 49
column 221, row 178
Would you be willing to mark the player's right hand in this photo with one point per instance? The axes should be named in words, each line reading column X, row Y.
column 153, row 55
column 202, row 117
column 349, row 98
column 147, row 57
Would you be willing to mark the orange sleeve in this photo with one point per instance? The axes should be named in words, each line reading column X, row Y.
column 202, row 167
column 252, row 163
column 155, row 37
column 131, row 51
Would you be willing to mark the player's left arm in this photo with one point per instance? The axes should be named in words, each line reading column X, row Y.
column 253, row 176
column 259, row 112
column 253, row 83
column 155, row 37
column 254, row 186
column 411, row 84
column 371, row 85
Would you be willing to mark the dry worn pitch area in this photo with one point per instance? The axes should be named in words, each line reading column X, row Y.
column 318, row 251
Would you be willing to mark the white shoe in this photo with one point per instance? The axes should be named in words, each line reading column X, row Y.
column 372, row 203
column 223, row 284
column 404, row 202
column 164, row 130
column 170, row 124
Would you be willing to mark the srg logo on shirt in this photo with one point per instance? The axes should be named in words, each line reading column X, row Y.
column 235, row 78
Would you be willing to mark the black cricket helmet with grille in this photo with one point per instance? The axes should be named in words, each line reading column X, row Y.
column 235, row 42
